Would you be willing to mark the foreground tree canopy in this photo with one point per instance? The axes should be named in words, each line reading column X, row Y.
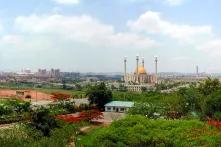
column 141, row 131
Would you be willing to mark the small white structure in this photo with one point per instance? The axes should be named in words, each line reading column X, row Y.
column 118, row 106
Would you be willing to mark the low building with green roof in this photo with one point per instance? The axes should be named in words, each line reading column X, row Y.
column 118, row 106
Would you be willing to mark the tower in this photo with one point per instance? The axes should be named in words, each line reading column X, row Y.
column 197, row 71
column 125, row 69
column 156, row 68
column 143, row 62
column 137, row 78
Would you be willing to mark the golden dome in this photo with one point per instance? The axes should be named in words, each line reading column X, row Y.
column 141, row 70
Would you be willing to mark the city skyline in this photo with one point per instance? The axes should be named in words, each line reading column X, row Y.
column 94, row 36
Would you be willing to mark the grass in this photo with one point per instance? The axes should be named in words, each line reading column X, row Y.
column 49, row 90
column 52, row 90
column 86, row 139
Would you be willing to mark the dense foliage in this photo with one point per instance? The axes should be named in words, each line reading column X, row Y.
column 13, row 110
column 140, row 131
column 99, row 95
column 23, row 136
column 202, row 100
column 42, row 121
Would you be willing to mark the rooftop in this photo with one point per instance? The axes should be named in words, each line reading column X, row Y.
column 120, row 104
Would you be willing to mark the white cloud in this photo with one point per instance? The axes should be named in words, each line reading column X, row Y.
column 180, row 58
column 69, row 43
column 1, row 27
column 10, row 39
column 67, row 2
column 82, row 29
column 151, row 22
column 212, row 47
column 174, row 2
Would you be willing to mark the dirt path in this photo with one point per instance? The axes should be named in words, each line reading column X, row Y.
column 7, row 126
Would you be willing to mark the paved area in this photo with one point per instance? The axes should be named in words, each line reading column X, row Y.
column 81, row 101
column 7, row 126
column 109, row 117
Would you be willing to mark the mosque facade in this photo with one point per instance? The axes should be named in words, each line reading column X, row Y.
column 140, row 79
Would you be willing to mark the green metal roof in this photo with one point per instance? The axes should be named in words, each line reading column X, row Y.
column 120, row 104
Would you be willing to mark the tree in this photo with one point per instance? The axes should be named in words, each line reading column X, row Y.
column 122, row 88
column 189, row 98
column 42, row 121
column 145, row 109
column 78, row 87
column 209, row 86
column 90, row 115
column 143, row 89
column 64, row 86
column 99, row 95
column 212, row 107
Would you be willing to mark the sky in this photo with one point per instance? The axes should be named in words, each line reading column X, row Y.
column 96, row 35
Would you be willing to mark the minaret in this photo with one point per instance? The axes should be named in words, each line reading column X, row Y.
column 137, row 68
column 143, row 62
column 197, row 71
column 125, row 69
column 156, row 69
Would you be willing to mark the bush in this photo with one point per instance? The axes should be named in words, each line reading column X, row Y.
column 63, row 106
column 139, row 131
column 212, row 105
column 83, row 107
column 146, row 109
column 24, row 136
column 217, row 116
column 41, row 120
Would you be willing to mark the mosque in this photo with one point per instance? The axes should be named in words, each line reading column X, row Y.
column 140, row 78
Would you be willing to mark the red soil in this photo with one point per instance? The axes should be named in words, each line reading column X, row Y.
column 35, row 95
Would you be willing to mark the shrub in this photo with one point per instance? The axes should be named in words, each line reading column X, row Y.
column 217, row 116
column 82, row 107
column 139, row 131
column 24, row 136
column 146, row 109
column 41, row 120
column 212, row 105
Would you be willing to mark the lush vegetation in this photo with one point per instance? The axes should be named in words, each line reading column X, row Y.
column 99, row 95
column 24, row 136
column 13, row 110
column 157, row 119
column 201, row 100
column 141, row 131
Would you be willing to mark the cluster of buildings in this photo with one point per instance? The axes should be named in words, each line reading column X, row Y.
column 53, row 73
column 140, row 79
column 41, row 76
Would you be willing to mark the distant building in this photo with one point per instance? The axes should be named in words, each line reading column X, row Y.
column 118, row 106
column 139, row 79
column 140, row 88
column 55, row 73
column 73, row 75
column 42, row 73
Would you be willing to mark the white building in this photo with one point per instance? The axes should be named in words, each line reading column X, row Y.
column 118, row 106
